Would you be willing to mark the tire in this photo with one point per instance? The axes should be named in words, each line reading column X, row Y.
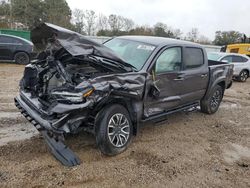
column 113, row 119
column 22, row 58
column 211, row 104
column 243, row 76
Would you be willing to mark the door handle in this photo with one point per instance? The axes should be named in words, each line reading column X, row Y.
column 203, row 75
column 179, row 78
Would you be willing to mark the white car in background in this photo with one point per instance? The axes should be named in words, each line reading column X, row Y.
column 241, row 63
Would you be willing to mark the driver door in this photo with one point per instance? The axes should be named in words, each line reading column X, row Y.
column 167, row 75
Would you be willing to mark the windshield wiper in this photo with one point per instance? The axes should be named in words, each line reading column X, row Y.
column 125, row 66
column 120, row 64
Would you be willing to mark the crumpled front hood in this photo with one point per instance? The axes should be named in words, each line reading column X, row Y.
column 75, row 43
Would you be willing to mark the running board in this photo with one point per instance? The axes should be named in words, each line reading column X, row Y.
column 164, row 114
column 60, row 151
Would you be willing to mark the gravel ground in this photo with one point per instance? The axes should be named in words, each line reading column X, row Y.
column 188, row 150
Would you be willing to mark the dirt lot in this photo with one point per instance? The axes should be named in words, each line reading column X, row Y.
column 189, row 150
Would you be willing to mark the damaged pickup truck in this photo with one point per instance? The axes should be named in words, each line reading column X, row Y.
column 111, row 89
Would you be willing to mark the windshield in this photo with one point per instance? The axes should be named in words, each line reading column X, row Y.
column 214, row 56
column 132, row 52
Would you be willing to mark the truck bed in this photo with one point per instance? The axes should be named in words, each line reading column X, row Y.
column 219, row 71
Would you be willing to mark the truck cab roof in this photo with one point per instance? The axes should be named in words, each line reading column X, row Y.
column 158, row 41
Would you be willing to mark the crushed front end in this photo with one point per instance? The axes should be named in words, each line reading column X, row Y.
column 50, row 99
column 56, row 93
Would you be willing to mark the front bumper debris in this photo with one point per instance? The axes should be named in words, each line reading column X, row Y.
column 60, row 151
column 53, row 137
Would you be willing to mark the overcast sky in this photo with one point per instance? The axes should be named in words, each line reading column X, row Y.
column 206, row 15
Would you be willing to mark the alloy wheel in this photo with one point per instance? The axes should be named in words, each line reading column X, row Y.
column 243, row 76
column 118, row 130
column 216, row 98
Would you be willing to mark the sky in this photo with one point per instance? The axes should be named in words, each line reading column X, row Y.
column 206, row 15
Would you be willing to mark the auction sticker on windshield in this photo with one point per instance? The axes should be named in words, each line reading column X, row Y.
column 146, row 47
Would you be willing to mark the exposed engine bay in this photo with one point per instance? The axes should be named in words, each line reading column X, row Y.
column 53, row 75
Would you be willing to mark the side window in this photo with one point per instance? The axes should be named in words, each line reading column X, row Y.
column 229, row 59
column 244, row 59
column 238, row 59
column 4, row 39
column 169, row 60
column 14, row 40
column 194, row 58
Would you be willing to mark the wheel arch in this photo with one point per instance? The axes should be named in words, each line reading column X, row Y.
column 128, row 104
column 222, row 84
column 18, row 51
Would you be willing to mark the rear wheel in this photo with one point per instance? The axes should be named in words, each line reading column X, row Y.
column 22, row 58
column 113, row 129
column 243, row 76
column 211, row 104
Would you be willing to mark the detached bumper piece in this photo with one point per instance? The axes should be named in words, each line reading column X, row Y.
column 61, row 152
column 54, row 141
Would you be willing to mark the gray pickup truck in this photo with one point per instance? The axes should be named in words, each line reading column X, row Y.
column 111, row 89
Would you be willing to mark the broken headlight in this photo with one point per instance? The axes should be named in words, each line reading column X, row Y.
column 72, row 97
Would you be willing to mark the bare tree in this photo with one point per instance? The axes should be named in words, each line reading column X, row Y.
column 142, row 30
column 102, row 22
column 128, row 24
column 204, row 40
column 112, row 20
column 90, row 18
column 78, row 16
column 193, row 35
column 177, row 33
column 162, row 30
column 115, row 22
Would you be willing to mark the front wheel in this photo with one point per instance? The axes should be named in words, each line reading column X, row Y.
column 22, row 58
column 211, row 104
column 113, row 129
column 243, row 76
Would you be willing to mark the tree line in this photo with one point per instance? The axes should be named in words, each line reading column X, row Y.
column 29, row 13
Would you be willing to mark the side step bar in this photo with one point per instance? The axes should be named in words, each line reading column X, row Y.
column 162, row 116
column 60, row 151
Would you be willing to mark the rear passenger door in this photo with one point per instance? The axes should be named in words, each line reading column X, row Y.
column 195, row 75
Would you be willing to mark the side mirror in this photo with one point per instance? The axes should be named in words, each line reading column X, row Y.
column 155, row 91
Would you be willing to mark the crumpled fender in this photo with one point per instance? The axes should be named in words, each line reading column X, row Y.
column 129, row 85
